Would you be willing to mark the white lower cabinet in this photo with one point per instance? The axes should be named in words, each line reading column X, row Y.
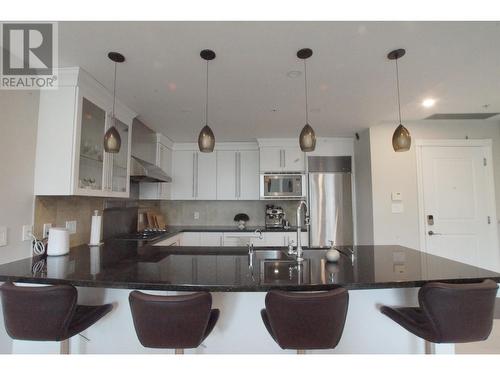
column 211, row 239
column 232, row 239
column 201, row 239
column 172, row 241
column 284, row 238
column 240, row 239
column 190, row 239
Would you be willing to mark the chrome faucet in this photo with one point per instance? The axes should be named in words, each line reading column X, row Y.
column 302, row 206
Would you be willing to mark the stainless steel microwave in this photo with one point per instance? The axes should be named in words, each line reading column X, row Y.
column 282, row 186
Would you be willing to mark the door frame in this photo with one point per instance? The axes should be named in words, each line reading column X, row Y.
column 486, row 144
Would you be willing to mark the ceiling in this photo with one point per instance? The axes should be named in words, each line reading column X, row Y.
column 351, row 83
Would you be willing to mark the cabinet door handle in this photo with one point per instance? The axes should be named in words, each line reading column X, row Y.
column 197, row 173
column 194, row 174
column 284, row 158
column 239, row 174
column 236, row 174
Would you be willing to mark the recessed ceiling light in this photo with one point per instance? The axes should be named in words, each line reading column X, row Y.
column 428, row 103
column 294, row 73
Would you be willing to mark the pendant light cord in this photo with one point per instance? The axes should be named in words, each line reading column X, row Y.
column 397, row 83
column 206, row 103
column 114, row 93
column 305, row 86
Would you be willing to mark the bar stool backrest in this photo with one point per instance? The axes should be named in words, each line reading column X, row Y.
column 459, row 312
column 38, row 313
column 307, row 320
column 170, row 321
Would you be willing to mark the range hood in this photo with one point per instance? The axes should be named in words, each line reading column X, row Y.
column 142, row 171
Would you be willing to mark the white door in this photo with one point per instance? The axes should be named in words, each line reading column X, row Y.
column 458, row 204
column 248, row 175
column 183, row 179
column 227, row 175
column 206, row 180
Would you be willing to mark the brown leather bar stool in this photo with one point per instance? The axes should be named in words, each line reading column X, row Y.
column 303, row 321
column 173, row 322
column 47, row 313
column 449, row 313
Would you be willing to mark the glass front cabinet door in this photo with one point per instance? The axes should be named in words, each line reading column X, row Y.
column 70, row 155
column 100, row 173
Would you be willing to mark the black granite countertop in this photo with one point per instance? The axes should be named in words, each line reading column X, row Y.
column 127, row 265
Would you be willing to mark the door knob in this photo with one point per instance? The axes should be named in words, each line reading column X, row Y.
column 432, row 233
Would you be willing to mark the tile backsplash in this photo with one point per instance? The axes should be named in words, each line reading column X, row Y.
column 221, row 212
column 56, row 210
column 59, row 209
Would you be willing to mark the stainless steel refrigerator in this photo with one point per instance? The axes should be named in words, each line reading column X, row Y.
column 330, row 201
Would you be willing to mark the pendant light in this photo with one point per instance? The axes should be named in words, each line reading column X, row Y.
column 206, row 138
column 112, row 139
column 307, row 138
column 401, row 139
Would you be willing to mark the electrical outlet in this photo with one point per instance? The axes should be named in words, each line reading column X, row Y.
column 27, row 232
column 3, row 236
column 71, row 226
column 196, row 215
column 46, row 228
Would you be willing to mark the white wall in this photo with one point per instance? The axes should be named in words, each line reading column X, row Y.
column 392, row 171
column 18, row 119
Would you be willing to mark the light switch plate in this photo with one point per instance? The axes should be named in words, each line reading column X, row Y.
column 399, row 268
column 3, row 236
column 196, row 215
column 397, row 208
column 46, row 228
column 396, row 196
column 27, row 232
column 71, row 226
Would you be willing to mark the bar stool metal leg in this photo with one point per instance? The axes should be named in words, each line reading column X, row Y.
column 64, row 347
column 432, row 348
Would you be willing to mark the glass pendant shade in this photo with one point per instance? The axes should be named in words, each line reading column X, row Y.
column 112, row 140
column 307, row 139
column 206, row 139
column 401, row 139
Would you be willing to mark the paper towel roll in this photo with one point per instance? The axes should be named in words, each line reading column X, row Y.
column 95, row 229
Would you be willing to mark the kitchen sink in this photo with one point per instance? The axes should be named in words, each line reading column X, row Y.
column 280, row 255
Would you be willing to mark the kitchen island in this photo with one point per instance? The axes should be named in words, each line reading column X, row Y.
column 374, row 275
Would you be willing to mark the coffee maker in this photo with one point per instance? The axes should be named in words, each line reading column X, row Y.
column 275, row 217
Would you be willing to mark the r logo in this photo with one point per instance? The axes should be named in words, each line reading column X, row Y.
column 28, row 49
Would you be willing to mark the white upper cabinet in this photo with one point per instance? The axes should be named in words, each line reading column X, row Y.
column 194, row 175
column 227, row 172
column 271, row 159
column 237, row 174
column 206, row 178
column 293, row 159
column 281, row 155
column 248, row 175
column 70, row 157
column 183, row 175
